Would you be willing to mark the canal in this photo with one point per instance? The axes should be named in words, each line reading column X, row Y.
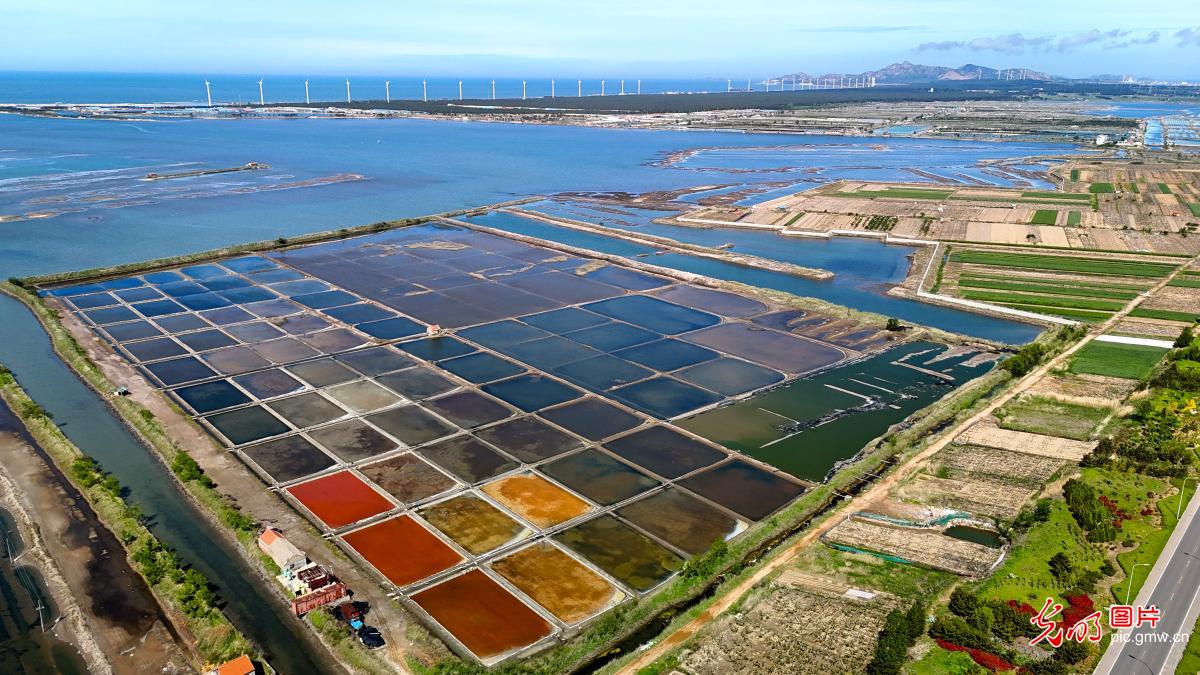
column 88, row 422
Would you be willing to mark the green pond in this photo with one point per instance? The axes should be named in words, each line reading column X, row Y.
column 808, row 426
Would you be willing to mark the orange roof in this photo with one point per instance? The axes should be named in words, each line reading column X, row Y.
column 268, row 537
column 242, row 665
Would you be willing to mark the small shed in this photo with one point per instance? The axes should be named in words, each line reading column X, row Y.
column 242, row 665
column 279, row 549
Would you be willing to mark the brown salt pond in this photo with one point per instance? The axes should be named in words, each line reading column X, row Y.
column 402, row 550
column 473, row 523
column 485, row 618
column 352, row 440
column 408, row 478
column 599, row 477
column 626, row 554
column 561, row 584
column 340, row 499
column 536, row 499
column 529, row 439
column 681, row 520
column 744, row 488
column 468, row 458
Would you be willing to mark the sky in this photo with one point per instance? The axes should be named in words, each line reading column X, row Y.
column 617, row 38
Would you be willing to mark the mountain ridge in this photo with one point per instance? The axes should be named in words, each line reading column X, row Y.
column 906, row 72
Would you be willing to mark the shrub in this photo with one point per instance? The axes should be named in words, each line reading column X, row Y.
column 1185, row 338
column 900, row 632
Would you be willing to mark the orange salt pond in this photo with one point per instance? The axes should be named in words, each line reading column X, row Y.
column 536, row 499
column 340, row 499
column 485, row 618
column 402, row 550
column 567, row 588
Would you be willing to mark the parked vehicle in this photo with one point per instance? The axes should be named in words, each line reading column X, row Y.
column 370, row 637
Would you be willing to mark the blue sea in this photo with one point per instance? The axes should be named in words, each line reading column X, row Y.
column 34, row 87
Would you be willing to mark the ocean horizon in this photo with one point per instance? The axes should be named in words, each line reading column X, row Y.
column 32, row 87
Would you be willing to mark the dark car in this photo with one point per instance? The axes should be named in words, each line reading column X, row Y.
column 370, row 637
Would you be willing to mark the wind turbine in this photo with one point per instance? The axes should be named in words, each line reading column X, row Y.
column 460, row 90
column 551, row 88
column 261, row 100
column 579, row 88
column 425, row 91
column 306, row 101
column 522, row 90
column 387, row 91
column 493, row 90
column 622, row 87
column 208, row 90
column 639, row 87
column 601, row 87
column 728, row 85
column 347, row 91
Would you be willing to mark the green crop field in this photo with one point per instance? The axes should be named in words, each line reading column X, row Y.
column 1041, row 415
column 1194, row 208
column 1097, row 266
column 1116, row 360
column 1073, row 217
column 1044, row 217
column 1074, row 174
column 1075, row 196
column 1101, row 188
column 1043, row 300
column 1051, row 289
column 1126, row 284
column 1132, row 187
column 1169, row 315
column 1084, row 315
column 898, row 193
column 1185, row 282
column 1164, row 188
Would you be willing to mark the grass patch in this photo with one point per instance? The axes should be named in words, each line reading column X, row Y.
column 1044, row 217
column 1041, row 415
column 1190, row 663
column 1074, row 217
column 1074, row 175
column 1025, row 575
column 1043, row 300
column 938, row 661
column 793, row 219
column 1164, row 188
column 901, row 193
column 1167, row 314
column 1194, row 207
column 1129, row 491
column 1056, row 195
column 1055, row 289
column 1062, row 263
column 1101, row 188
column 1116, row 360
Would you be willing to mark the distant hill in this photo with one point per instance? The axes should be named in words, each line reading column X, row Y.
column 907, row 72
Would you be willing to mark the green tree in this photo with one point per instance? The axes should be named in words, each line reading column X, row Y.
column 1185, row 338
column 1061, row 567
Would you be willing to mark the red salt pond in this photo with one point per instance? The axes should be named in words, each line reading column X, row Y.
column 340, row 499
column 402, row 550
column 484, row 617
